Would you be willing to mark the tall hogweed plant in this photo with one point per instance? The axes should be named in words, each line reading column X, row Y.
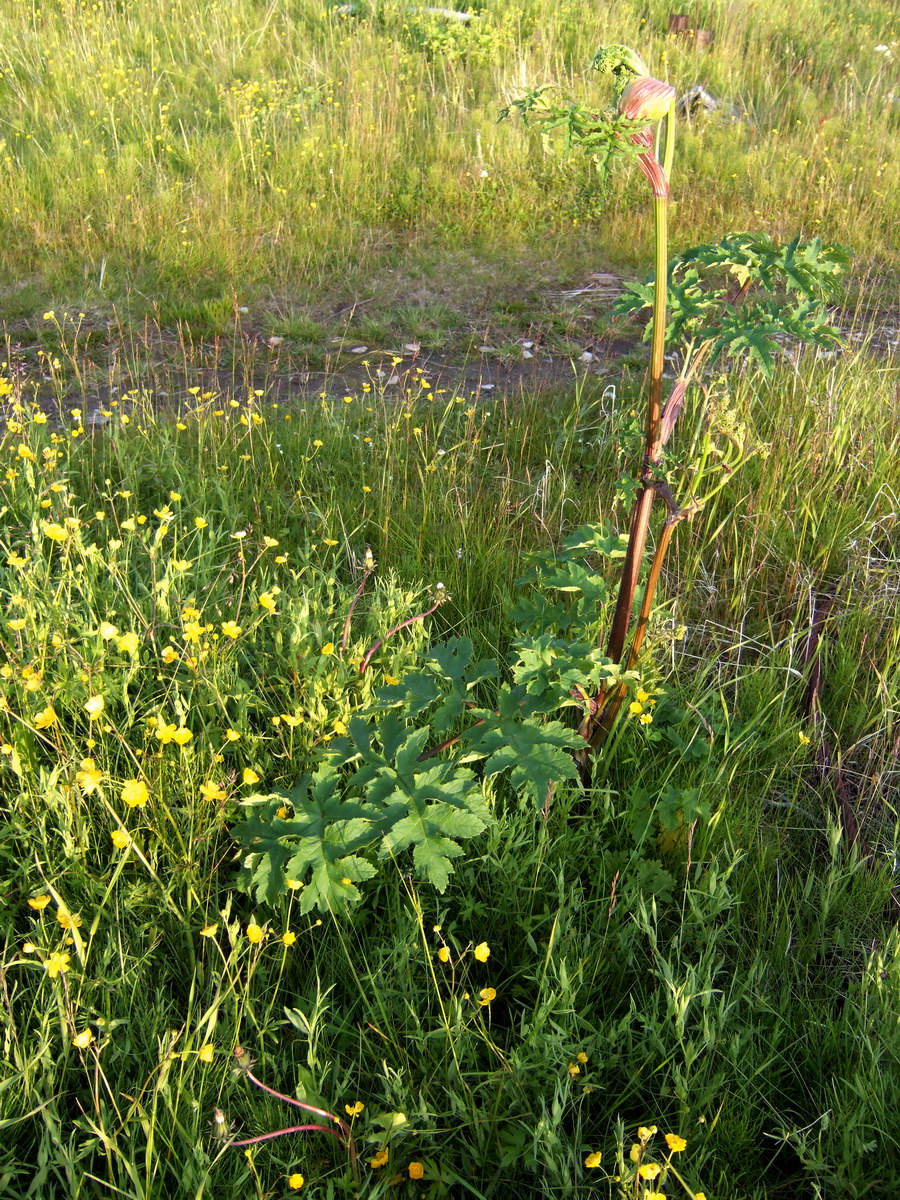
column 416, row 774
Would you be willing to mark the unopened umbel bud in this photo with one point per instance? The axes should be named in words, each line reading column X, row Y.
column 618, row 60
column 646, row 99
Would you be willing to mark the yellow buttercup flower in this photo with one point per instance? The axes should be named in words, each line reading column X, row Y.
column 296, row 1181
column 129, row 643
column 593, row 1160
column 38, row 902
column 56, row 533
column 56, row 964
column 649, row 1170
column 380, row 1159
column 168, row 654
column 255, row 933
column 45, row 718
column 646, row 1132
column 482, row 952
column 231, row 629
column 487, row 995
column 353, row 1110
column 444, row 954
column 182, row 736
column 212, row 791
column 120, row 839
column 83, row 1040
column 250, row 776
column 675, row 1143
column 573, row 1069
column 68, row 920
column 267, row 601
column 134, row 793
column 328, row 648
column 94, row 707
column 206, row 1052
column 89, row 777
column 289, row 937
column 581, row 1057
column 416, row 1170
column 107, row 630
column 209, row 930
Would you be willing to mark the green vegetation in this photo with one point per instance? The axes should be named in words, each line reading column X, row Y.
column 689, row 965
column 186, row 161
column 298, row 897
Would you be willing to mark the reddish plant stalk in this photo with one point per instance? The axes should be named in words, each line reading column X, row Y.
column 311, row 1108
column 345, row 1137
column 609, row 710
column 353, row 603
column 640, row 519
column 267, row 1137
column 376, row 646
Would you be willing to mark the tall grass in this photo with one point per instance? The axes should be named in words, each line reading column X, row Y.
column 689, row 972
column 188, row 162
column 183, row 530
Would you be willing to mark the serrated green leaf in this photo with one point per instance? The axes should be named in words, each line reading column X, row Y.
column 331, row 885
column 535, row 754
column 432, row 859
column 450, row 659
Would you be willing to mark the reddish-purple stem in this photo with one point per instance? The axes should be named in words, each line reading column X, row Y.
column 266, row 1137
column 359, row 591
column 373, row 650
column 319, row 1112
column 345, row 1137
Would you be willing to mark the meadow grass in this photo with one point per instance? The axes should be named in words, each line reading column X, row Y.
column 184, row 528
column 175, row 584
column 183, row 163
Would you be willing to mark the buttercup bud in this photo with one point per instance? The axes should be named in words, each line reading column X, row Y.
column 646, row 99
